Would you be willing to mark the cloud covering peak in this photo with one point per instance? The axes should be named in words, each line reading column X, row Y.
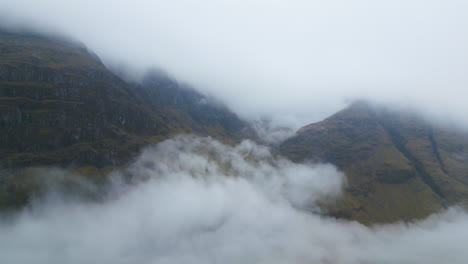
column 296, row 60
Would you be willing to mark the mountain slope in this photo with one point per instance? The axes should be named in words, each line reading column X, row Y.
column 399, row 167
column 200, row 114
column 59, row 105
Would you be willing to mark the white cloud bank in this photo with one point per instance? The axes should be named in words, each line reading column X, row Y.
column 203, row 202
column 295, row 60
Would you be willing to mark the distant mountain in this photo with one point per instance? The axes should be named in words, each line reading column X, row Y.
column 398, row 166
column 59, row 105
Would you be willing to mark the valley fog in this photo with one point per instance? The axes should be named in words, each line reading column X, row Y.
column 196, row 200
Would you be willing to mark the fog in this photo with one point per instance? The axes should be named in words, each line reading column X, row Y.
column 293, row 61
column 280, row 63
column 195, row 200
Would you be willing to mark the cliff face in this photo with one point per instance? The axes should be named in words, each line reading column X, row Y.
column 398, row 166
column 59, row 105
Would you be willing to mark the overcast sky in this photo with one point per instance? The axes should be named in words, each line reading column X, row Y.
column 292, row 58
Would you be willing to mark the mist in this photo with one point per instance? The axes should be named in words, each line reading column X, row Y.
column 195, row 200
column 294, row 62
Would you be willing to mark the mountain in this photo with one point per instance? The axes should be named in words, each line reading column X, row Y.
column 398, row 166
column 61, row 106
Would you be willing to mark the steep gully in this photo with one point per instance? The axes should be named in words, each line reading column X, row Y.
column 399, row 141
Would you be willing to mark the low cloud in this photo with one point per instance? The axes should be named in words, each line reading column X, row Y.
column 195, row 200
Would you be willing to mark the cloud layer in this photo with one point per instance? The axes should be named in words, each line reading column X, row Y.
column 195, row 200
column 295, row 60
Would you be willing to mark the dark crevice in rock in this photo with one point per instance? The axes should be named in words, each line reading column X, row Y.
column 399, row 143
column 435, row 149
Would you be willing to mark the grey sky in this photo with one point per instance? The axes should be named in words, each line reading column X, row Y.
column 290, row 59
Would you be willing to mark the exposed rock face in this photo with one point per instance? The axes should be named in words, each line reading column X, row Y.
column 399, row 167
column 59, row 105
